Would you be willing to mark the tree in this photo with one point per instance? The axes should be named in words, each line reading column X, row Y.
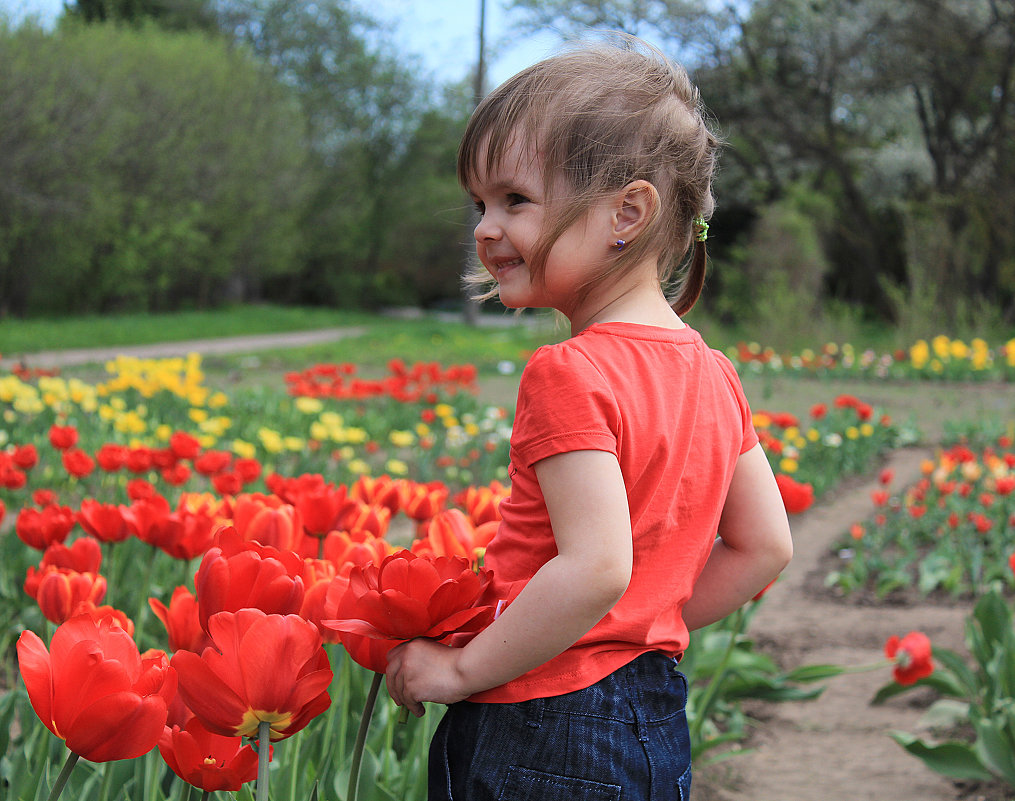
column 143, row 169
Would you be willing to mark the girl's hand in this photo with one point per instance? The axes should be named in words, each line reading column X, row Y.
column 423, row 670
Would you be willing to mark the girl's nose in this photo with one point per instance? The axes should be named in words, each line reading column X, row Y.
column 487, row 229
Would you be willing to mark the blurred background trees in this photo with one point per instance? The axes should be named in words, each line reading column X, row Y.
column 163, row 154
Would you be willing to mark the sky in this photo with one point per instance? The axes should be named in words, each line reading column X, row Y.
column 442, row 32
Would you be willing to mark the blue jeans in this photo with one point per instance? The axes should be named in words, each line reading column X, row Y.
column 624, row 737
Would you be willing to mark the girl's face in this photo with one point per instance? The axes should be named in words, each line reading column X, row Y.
column 514, row 209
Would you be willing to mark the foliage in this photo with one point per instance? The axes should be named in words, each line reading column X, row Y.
column 172, row 168
column 980, row 697
column 897, row 113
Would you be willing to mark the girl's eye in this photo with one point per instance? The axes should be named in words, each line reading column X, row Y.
column 514, row 199
column 479, row 206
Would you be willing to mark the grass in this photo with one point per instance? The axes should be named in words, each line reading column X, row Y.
column 95, row 331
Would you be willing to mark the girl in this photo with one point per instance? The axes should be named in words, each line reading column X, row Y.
column 642, row 505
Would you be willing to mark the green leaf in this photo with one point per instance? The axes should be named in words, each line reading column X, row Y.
column 807, row 673
column 995, row 749
column 954, row 759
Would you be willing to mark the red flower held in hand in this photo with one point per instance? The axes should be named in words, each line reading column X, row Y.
column 94, row 690
column 410, row 596
column 912, row 655
column 797, row 497
column 207, row 760
column 262, row 667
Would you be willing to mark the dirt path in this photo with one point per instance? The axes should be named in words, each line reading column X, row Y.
column 65, row 358
column 835, row 747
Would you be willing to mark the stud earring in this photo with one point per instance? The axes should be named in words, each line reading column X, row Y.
column 619, row 245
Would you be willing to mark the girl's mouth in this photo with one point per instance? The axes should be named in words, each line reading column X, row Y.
column 506, row 264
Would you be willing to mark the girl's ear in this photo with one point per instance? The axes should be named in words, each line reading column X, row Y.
column 636, row 206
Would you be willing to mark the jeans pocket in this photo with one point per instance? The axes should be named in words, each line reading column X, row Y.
column 524, row 784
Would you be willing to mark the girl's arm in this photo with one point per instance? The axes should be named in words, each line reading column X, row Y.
column 753, row 547
column 587, row 503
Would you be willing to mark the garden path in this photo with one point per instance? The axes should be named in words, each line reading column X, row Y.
column 49, row 359
column 836, row 748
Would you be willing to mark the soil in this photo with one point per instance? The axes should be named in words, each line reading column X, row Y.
column 836, row 747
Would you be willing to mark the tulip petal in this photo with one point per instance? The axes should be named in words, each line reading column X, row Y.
column 118, row 726
column 86, row 677
column 36, row 671
column 391, row 611
column 207, row 694
column 274, row 650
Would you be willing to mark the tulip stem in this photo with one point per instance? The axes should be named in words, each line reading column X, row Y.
column 361, row 736
column 61, row 780
column 263, row 758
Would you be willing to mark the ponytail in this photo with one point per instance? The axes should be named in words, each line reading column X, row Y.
column 694, row 282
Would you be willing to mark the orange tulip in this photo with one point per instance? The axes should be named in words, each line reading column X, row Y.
column 262, row 667
column 450, row 533
column 95, row 691
column 269, row 521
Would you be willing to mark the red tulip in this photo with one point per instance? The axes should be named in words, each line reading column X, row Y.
column 3, row 511
column 321, row 507
column 269, row 521
column 482, row 504
column 25, row 456
column 235, row 574
column 796, row 496
column 41, row 528
column 151, row 520
column 347, row 550
column 84, row 556
column 103, row 521
column 100, row 613
column 77, row 463
column 450, row 533
column 63, row 437
column 60, row 590
column 422, row 501
column 184, row 445
column 912, row 655
column 359, row 516
column 181, row 621
column 207, row 760
column 112, row 457
column 380, row 491
column 410, row 596
column 94, row 690
column 262, row 667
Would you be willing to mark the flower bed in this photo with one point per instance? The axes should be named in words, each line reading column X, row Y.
column 151, row 511
column 941, row 358
column 954, row 531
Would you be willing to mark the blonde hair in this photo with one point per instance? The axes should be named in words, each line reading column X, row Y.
column 599, row 117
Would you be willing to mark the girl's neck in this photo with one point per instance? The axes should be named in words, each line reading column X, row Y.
column 640, row 302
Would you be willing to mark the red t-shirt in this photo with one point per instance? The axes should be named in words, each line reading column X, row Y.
column 674, row 413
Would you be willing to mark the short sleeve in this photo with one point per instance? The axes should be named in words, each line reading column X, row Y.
column 750, row 436
column 564, row 404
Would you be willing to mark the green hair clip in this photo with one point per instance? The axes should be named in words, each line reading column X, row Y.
column 700, row 228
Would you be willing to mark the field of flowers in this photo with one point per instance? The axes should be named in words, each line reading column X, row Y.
column 302, row 530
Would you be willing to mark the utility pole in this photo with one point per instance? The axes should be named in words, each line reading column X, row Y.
column 472, row 306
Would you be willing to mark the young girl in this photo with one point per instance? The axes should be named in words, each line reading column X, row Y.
column 642, row 505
